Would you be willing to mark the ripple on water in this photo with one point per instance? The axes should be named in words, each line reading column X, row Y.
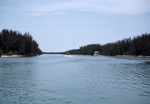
column 55, row 79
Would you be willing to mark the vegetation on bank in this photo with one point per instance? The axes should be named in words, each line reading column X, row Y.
column 15, row 43
column 139, row 45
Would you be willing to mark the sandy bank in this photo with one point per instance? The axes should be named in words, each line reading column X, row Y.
column 11, row 55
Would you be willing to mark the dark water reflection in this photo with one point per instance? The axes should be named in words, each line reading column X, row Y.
column 59, row 79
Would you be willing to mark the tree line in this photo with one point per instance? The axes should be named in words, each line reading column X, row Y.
column 13, row 42
column 85, row 50
column 139, row 45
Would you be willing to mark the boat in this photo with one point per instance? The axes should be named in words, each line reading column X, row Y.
column 96, row 53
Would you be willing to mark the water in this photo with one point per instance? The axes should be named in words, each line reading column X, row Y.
column 60, row 79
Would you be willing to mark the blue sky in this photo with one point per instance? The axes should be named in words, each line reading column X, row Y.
column 60, row 25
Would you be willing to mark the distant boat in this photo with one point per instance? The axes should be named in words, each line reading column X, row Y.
column 96, row 53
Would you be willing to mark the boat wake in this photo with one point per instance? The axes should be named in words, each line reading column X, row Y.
column 68, row 56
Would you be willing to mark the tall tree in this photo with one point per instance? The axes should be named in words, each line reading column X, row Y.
column 15, row 43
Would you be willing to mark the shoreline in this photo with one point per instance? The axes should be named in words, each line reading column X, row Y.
column 3, row 56
column 140, row 56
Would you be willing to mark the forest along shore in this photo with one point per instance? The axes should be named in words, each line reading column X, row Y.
column 136, row 46
column 14, row 44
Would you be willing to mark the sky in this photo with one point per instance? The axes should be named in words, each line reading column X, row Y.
column 60, row 25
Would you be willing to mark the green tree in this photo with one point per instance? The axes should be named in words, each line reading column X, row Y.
column 13, row 42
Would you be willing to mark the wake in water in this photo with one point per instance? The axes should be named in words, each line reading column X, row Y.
column 68, row 56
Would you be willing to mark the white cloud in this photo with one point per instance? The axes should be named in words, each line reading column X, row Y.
column 47, row 7
column 59, row 13
column 44, row 13
column 106, row 6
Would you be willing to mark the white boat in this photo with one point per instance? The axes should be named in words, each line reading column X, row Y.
column 96, row 53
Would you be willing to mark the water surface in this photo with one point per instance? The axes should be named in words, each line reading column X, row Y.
column 60, row 79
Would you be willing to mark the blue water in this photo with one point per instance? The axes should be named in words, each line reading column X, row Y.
column 60, row 79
